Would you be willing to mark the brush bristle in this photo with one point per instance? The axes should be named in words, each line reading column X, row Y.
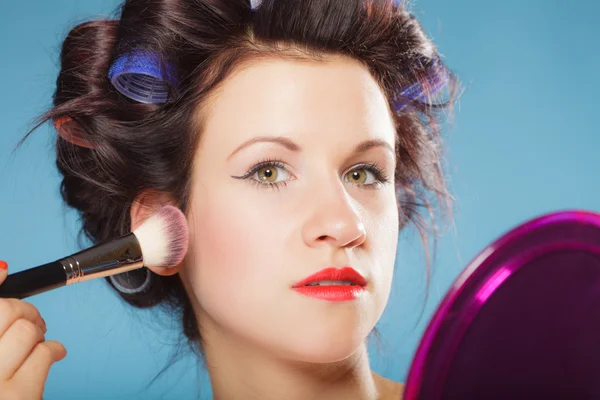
column 163, row 238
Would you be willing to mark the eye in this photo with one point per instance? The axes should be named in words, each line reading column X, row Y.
column 359, row 176
column 267, row 174
column 273, row 174
column 367, row 175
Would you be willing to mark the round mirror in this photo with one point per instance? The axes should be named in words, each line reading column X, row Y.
column 522, row 321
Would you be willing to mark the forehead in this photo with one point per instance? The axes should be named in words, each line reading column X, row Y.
column 302, row 99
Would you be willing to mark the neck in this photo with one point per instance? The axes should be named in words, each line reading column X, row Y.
column 239, row 370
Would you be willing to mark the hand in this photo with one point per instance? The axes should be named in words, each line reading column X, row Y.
column 25, row 355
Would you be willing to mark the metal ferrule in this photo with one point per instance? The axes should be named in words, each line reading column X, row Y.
column 117, row 256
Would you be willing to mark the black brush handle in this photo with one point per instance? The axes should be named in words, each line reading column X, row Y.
column 33, row 281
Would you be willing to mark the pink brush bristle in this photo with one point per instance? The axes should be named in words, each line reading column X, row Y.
column 164, row 237
column 178, row 233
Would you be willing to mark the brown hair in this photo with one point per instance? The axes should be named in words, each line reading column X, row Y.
column 149, row 147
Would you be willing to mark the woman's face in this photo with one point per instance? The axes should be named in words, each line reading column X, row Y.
column 324, row 130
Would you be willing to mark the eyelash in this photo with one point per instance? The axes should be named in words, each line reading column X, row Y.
column 380, row 176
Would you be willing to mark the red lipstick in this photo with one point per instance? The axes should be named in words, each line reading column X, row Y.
column 333, row 284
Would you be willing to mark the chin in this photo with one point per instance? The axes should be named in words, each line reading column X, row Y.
column 326, row 345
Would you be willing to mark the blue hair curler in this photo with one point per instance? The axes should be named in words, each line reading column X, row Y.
column 127, row 284
column 137, row 75
column 434, row 82
column 254, row 4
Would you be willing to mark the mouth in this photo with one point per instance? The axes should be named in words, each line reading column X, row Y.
column 333, row 284
column 346, row 276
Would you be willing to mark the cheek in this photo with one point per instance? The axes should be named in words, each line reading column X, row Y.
column 235, row 251
column 383, row 246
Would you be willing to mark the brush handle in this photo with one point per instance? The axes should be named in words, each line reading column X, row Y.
column 115, row 257
column 33, row 281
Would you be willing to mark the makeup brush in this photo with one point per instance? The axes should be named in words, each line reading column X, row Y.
column 161, row 241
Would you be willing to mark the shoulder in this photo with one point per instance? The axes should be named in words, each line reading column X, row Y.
column 387, row 388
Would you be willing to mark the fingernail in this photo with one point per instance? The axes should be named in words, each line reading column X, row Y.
column 3, row 265
column 44, row 327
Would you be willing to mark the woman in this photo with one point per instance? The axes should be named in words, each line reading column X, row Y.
column 295, row 135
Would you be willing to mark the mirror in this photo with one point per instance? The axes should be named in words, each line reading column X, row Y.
column 522, row 321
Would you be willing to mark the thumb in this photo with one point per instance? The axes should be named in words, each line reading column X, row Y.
column 3, row 271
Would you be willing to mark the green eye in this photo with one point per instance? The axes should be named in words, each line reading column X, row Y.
column 267, row 174
column 367, row 176
column 273, row 174
column 357, row 176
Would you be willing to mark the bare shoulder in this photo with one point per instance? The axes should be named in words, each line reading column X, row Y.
column 388, row 389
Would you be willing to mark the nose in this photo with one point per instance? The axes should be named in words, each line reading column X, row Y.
column 334, row 220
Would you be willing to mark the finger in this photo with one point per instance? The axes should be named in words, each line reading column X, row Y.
column 16, row 345
column 12, row 309
column 38, row 365
column 3, row 271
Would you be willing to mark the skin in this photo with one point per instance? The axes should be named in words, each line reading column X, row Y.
column 26, row 356
column 249, row 244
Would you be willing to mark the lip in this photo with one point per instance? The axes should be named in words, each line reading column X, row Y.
column 334, row 274
column 333, row 292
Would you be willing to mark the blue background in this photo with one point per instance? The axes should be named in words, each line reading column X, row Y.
column 524, row 142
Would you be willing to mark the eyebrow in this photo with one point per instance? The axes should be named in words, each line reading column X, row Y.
column 290, row 145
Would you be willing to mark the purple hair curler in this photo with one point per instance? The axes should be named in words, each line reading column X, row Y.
column 436, row 79
column 522, row 321
column 138, row 75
